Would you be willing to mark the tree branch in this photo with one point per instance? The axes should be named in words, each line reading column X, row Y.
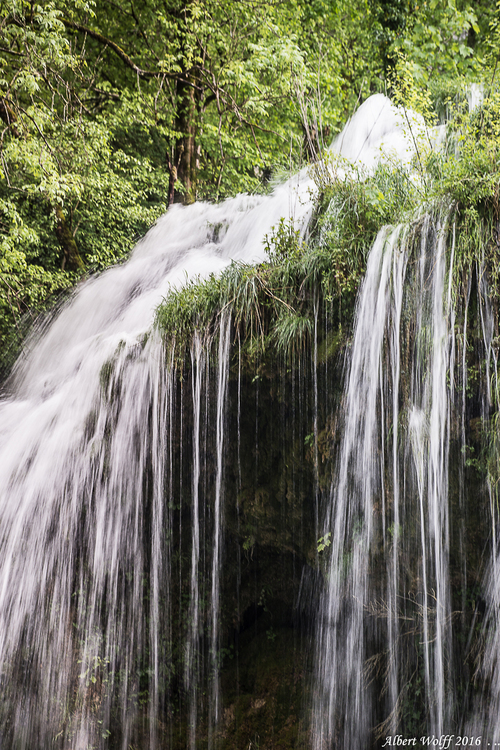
column 116, row 49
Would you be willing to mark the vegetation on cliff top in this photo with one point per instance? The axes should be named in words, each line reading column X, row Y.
column 274, row 304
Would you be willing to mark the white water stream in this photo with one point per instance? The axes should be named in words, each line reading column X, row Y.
column 392, row 474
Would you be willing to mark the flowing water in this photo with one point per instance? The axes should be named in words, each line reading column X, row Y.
column 407, row 634
column 89, row 437
column 388, row 514
column 112, row 490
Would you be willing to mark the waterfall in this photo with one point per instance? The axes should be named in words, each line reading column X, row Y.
column 122, row 469
column 96, row 453
column 341, row 654
column 484, row 721
column 388, row 518
column 224, row 351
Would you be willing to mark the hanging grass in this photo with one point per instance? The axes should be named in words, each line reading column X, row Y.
column 292, row 333
column 273, row 304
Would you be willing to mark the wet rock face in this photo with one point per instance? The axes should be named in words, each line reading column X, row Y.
column 271, row 575
column 265, row 691
column 268, row 576
column 279, row 470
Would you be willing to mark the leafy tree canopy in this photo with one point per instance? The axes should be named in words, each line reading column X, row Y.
column 113, row 109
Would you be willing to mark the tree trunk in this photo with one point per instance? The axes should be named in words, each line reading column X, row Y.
column 185, row 149
column 71, row 257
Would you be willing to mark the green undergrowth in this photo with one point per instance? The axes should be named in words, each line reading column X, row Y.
column 274, row 305
column 458, row 172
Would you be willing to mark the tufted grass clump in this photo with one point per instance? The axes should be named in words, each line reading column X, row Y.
column 272, row 304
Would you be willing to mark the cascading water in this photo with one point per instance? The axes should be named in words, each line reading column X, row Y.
column 484, row 721
column 90, row 434
column 113, row 492
column 402, row 645
column 391, row 481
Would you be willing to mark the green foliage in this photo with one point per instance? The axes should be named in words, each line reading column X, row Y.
column 271, row 305
column 468, row 169
column 425, row 41
column 291, row 332
column 58, row 159
column 324, row 541
column 98, row 101
column 464, row 174
column 352, row 209
column 284, row 243
column 189, row 308
column 91, row 99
